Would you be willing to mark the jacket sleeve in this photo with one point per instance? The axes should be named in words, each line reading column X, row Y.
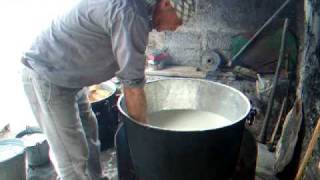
column 129, row 35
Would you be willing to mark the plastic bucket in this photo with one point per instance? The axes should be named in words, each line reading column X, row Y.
column 12, row 160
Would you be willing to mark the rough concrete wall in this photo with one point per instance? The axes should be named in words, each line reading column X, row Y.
column 216, row 22
column 310, row 83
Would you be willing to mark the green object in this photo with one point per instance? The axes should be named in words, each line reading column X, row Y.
column 273, row 41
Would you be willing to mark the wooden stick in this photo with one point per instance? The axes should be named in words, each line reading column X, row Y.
column 243, row 48
column 275, row 130
column 312, row 143
column 263, row 134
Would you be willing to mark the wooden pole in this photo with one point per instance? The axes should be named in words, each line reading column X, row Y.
column 263, row 134
column 275, row 130
column 312, row 143
column 253, row 38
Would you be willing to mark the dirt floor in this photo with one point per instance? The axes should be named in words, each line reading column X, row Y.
column 47, row 172
column 109, row 164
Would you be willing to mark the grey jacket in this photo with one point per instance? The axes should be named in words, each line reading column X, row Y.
column 93, row 42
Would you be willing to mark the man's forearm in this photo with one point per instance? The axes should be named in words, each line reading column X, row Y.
column 136, row 103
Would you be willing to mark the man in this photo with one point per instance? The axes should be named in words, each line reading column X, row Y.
column 91, row 43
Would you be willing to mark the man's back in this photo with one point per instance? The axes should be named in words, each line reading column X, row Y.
column 82, row 46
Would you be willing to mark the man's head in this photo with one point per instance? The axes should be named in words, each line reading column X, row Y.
column 170, row 14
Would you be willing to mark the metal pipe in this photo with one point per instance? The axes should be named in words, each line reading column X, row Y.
column 262, row 136
column 235, row 57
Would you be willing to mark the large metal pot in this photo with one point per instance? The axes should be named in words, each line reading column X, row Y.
column 159, row 154
column 107, row 116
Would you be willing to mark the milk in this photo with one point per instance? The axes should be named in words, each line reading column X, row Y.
column 187, row 120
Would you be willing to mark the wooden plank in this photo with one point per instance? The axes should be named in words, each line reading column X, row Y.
column 312, row 143
column 178, row 71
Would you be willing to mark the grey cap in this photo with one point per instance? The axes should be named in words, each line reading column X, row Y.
column 184, row 8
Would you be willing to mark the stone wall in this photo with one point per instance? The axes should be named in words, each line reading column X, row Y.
column 309, row 85
column 213, row 27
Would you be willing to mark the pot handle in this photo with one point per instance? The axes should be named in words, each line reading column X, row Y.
column 108, row 105
column 29, row 130
column 111, row 107
column 251, row 116
column 114, row 108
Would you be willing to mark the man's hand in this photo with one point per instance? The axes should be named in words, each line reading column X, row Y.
column 136, row 103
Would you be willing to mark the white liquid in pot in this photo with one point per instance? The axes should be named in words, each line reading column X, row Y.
column 187, row 120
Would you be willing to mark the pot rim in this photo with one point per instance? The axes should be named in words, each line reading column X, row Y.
column 148, row 126
column 112, row 88
column 15, row 142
